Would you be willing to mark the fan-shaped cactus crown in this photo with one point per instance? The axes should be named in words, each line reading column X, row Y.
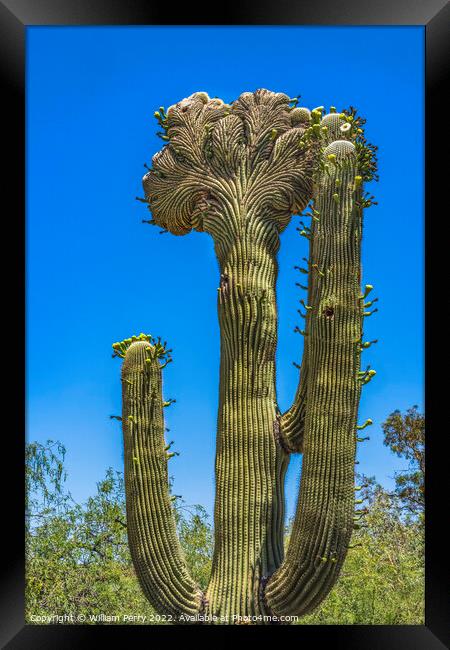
column 224, row 162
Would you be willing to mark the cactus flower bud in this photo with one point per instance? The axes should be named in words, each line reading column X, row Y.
column 367, row 290
column 368, row 422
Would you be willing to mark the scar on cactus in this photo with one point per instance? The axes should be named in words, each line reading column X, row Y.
column 239, row 172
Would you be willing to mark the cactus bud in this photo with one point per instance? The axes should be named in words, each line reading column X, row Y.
column 368, row 376
column 367, row 344
column 367, row 290
column 204, row 97
column 368, row 422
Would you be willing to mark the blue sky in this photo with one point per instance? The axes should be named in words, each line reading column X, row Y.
column 96, row 274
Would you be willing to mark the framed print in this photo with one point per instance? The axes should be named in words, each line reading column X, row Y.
column 228, row 249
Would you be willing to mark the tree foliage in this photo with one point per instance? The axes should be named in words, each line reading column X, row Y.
column 78, row 561
column 405, row 437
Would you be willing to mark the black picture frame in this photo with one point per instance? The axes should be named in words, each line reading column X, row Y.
column 15, row 16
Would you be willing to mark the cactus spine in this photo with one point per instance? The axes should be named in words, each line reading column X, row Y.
column 239, row 172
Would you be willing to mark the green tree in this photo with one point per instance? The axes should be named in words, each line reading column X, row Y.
column 78, row 560
column 405, row 437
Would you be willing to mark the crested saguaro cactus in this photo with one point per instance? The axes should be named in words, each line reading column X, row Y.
column 239, row 172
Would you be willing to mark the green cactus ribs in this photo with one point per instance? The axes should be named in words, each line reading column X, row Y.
column 155, row 549
column 239, row 171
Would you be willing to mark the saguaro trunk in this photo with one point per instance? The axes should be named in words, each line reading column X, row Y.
column 250, row 466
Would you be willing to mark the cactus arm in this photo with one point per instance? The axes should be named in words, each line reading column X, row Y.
column 324, row 518
column 156, row 553
column 292, row 423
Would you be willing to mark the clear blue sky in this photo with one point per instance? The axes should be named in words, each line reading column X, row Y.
column 95, row 274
